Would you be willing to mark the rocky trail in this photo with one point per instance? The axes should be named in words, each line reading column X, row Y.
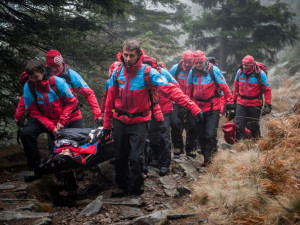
column 40, row 202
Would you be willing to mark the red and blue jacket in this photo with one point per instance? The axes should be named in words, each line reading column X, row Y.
column 78, row 85
column 201, row 88
column 166, row 104
column 78, row 153
column 248, row 89
column 104, row 95
column 129, row 93
column 182, row 76
column 50, row 106
column 20, row 110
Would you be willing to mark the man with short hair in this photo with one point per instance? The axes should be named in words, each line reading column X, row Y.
column 128, row 94
column 249, row 85
column 181, row 119
column 51, row 107
column 55, row 61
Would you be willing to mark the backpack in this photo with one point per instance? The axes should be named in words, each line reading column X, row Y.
column 258, row 65
column 150, row 61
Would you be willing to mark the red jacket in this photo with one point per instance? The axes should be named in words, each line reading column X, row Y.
column 20, row 110
column 182, row 76
column 203, row 87
column 129, row 94
column 50, row 106
column 104, row 95
column 166, row 104
column 78, row 85
column 247, row 86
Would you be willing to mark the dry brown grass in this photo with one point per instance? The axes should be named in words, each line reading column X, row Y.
column 246, row 187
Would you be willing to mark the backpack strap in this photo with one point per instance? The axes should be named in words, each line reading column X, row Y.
column 66, row 75
column 154, row 96
column 53, row 85
column 32, row 89
column 118, row 70
column 179, row 68
column 212, row 76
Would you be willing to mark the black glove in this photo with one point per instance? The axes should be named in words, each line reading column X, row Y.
column 199, row 117
column 230, row 111
column 161, row 127
column 267, row 109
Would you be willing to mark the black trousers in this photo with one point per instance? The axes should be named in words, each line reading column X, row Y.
column 31, row 132
column 160, row 143
column 177, row 129
column 207, row 134
column 247, row 116
column 129, row 141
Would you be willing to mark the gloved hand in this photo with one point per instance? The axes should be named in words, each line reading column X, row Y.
column 267, row 109
column 199, row 117
column 161, row 127
column 230, row 111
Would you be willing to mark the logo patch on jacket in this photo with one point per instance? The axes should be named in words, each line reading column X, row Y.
column 38, row 98
column 120, row 82
column 181, row 75
column 242, row 78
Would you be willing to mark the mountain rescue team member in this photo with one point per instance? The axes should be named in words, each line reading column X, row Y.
column 205, row 91
column 129, row 95
column 180, row 117
column 55, row 61
column 250, row 84
column 51, row 106
column 20, row 110
column 160, row 142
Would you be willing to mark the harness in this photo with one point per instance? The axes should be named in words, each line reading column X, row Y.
column 217, row 92
column 153, row 95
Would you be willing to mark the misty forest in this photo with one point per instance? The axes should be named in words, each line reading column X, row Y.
column 248, row 182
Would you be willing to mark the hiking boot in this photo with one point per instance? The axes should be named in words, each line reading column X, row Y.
column 177, row 151
column 164, row 171
column 118, row 193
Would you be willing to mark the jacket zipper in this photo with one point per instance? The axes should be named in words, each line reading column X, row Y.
column 127, row 94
